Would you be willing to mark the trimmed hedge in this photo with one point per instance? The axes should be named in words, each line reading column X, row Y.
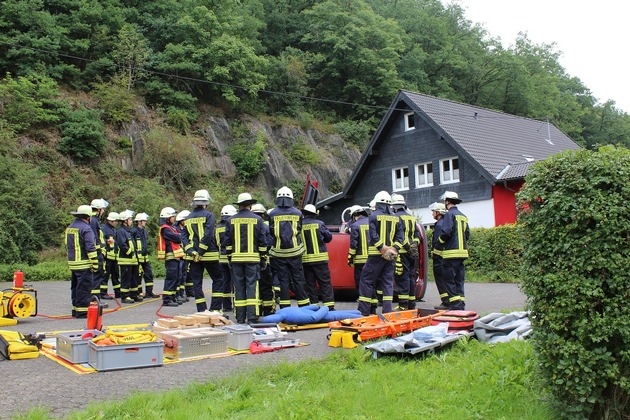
column 495, row 254
column 574, row 219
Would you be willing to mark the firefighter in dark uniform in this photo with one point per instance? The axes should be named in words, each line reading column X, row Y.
column 406, row 263
column 225, row 295
column 454, row 238
column 246, row 246
column 315, row 236
column 98, row 208
column 111, row 263
column 358, row 250
column 184, row 282
column 202, row 252
column 265, row 282
column 170, row 251
column 285, row 226
column 142, row 250
column 438, row 210
column 385, row 241
column 82, row 260
column 127, row 259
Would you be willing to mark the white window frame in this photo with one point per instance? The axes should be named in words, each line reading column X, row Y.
column 398, row 175
column 413, row 118
column 428, row 176
column 453, row 175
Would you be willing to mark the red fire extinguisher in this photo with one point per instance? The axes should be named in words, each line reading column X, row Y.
column 18, row 279
column 95, row 315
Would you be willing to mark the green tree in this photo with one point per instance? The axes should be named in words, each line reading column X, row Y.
column 249, row 156
column 352, row 54
column 83, row 135
column 29, row 102
column 131, row 52
column 576, row 253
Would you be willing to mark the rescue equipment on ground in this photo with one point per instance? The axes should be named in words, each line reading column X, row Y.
column 95, row 314
column 17, row 302
column 15, row 346
column 457, row 320
column 114, row 338
column 386, row 325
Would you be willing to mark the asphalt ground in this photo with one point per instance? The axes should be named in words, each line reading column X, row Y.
column 43, row 382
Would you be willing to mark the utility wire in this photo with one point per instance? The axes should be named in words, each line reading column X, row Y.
column 474, row 116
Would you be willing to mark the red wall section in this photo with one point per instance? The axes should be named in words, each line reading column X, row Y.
column 505, row 203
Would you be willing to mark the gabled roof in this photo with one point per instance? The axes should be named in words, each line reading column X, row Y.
column 493, row 139
column 501, row 146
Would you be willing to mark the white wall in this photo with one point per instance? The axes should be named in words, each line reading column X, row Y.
column 479, row 213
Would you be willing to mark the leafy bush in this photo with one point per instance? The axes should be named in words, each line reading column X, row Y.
column 302, row 152
column 115, row 101
column 45, row 271
column 169, row 157
column 181, row 119
column 83, row 135
column 29, row 102
column 355, row 132
column 249, row 156
column 577, row 247
column 496, row 253
column 26, row 223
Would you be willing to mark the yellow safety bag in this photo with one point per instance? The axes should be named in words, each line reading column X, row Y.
column 18, row 348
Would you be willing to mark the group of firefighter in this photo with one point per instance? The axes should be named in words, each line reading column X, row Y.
column 257, row 258
column 384, row 241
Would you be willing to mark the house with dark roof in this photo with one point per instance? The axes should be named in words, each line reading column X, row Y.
column 425, row 146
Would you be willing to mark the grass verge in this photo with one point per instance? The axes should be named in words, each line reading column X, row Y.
column 469, row 380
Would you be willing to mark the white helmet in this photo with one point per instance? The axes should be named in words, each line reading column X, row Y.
column 356, row 209
column 245, row 198
column 229, row 210
column 99, row 203
column 309, row 208
column 372, row 204
column 83, row 210
column 168, row 212
column 202, row 197
column 259, row 208
column 382, row 197
column 398, row 200
column 439, row 207
column 285, row 192
column 141, row 216
column 182, row 215
column 450, row 195
column 113, row 216
column 124, row 215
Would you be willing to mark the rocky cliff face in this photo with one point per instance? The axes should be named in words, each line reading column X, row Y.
column 333, row 167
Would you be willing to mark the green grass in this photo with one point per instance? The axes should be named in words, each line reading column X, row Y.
column 470, row 380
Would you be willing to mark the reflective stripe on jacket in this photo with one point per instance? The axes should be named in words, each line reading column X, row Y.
column 245, row 237
column 199, row 235
column 126, row 247
column 455, row 233
column 169, row 243
column 359, row 240
column 80, row 245
column 315, row 236
column 285, row 226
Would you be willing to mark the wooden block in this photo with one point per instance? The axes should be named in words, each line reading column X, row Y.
column 185, row 319
column 168, row 323
column 201, row 318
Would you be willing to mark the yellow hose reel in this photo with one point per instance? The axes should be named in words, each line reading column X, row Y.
column 18, row 303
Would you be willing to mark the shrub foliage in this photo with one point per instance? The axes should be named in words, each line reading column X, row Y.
column 575, row 224
column 496, row 253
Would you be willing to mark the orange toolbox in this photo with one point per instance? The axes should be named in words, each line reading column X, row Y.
column 386, row 325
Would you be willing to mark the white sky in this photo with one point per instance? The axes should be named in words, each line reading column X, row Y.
column 592, row 36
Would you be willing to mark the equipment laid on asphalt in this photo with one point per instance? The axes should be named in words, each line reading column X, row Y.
column 390, row 324
column 17, row 302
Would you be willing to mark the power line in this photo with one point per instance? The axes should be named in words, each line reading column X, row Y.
column 474, row 116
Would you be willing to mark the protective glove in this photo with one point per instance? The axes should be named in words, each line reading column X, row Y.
column 196, row 257
column 350, row 260
column 94, row 267
column 413, row 252
column 399, row 266
column 140, row 270
column 389, row 253
column 263, row 264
